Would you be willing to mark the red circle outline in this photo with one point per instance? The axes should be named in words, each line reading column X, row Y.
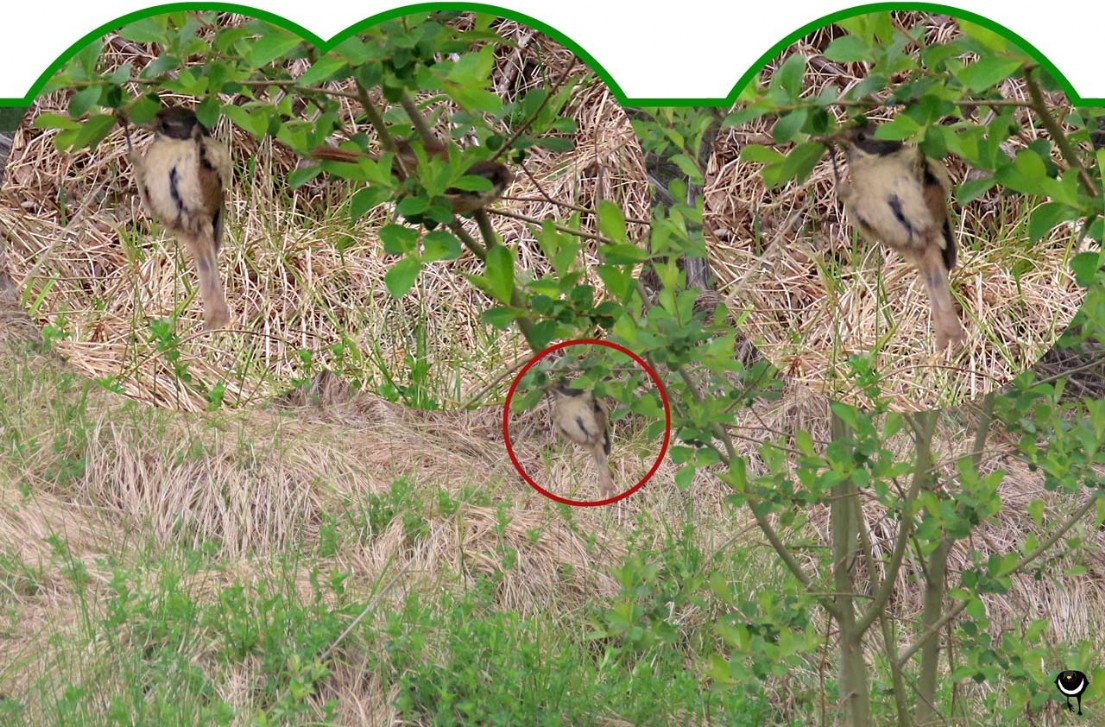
column 506, row 423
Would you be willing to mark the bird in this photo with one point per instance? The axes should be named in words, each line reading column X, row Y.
column 182, row 179
column 1072, row 683
column 462, row 202
column 899, row 196
column 584, row 421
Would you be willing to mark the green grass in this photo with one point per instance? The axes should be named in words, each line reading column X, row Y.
column 109, row 619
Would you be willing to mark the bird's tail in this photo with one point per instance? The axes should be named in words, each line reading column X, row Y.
column 945, row 318
column 216, row 313
column 606, row 476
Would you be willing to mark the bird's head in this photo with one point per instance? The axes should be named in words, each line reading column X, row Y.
column 177, row 122
column 861, row 140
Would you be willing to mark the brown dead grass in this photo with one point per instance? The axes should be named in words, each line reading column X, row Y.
column 812, row 296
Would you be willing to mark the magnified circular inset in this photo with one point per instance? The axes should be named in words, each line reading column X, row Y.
column 896, row 206
column 338, row 249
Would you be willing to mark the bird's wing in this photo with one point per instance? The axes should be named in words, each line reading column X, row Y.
column 172, row 185
column 214, row 177
column 915, row 223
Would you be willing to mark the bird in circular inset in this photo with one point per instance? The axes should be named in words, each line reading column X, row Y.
column 1072, row 683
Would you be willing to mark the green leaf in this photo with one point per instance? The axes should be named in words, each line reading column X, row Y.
column 208, row 112
column 472, row 68
column 1045, row 217
column 801, row 161
column 985, row 37
column 400, row 278
column 558, row 144
column 1035, row 510
column 90, row 134
column 500, row 273
column 398, row 239
column 122, row 74
column 982, row 74
column 1085, row 266
column 501, row 317
column 971, row 190
column 790, row 75
column 789, row 125
column 746, row 114
column 478, row 99
column 322, row 70
column 1027, row 173
column 623, row 254
column 685, row 476
column 146, row 30
column 761, row 154
column 256, row 122
column 144, row 109
column 440, row 245
column 55, row 121
column 412, row 206
column 618, row 280
column 298, row 177
column 612, row 222
column 273, row 44
column 83, row 100
column 355, row 50
column 687, row 166
column 162, row 64
column 848, row 49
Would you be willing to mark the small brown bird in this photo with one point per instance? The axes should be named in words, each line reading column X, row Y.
column 899, row 196
column 182, row 176
column 583, row 420
column 463, row 202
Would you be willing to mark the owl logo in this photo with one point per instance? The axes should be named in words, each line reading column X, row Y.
column 1072, row 683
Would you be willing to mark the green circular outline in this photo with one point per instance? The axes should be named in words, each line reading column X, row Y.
column 619, row 94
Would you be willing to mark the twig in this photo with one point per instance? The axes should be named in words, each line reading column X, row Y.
column 561, row 228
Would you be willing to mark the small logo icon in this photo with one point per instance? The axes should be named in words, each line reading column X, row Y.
column 1072, row 683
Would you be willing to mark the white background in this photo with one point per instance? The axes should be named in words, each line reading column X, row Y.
column 686, row 49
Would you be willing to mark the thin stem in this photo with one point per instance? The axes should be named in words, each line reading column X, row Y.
column 560, row 228
column 375, row 118
column 1058, row 135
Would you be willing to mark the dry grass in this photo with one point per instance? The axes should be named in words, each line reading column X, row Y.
column 812, row 296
